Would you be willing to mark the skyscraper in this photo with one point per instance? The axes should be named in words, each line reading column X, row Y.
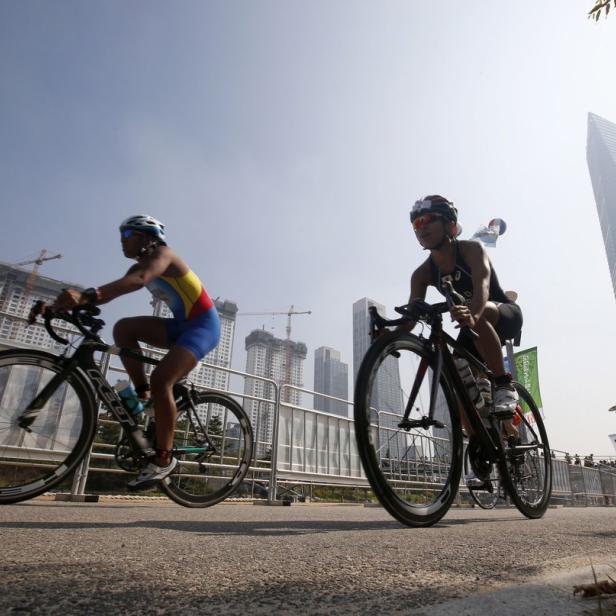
column 387, row 393
column 387, row 396
column 601, row 157
column 18, row 291
column 267, row 357
column 331, row 377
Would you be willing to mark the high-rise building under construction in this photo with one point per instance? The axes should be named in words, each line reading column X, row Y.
column 267, row 357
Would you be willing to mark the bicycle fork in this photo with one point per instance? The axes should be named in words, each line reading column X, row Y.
column 426, row 421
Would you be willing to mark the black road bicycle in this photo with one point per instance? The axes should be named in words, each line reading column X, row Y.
column 408, row 395
column 49, row 415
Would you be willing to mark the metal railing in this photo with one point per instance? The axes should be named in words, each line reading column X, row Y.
column 577, row 483
column 306, row 446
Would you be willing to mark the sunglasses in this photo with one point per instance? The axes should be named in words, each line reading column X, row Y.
column 425, row 219
column 126, row 233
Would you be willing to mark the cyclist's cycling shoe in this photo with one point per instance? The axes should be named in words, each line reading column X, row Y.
column 505, row 401
column 150, row 475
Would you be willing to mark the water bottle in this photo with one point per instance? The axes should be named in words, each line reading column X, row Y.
column 466, row 374
column 129, row 397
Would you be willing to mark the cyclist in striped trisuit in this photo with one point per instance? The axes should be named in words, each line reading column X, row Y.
column 193, row 331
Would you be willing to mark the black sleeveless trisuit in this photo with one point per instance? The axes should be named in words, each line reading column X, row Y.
column 509, row 324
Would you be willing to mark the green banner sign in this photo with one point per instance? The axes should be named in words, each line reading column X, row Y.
column 528, row 374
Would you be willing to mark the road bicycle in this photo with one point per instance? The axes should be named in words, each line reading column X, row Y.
column 408, row 400
column 49, row 416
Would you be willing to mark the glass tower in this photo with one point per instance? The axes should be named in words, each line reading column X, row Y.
column 601, row 157
column 331, row 377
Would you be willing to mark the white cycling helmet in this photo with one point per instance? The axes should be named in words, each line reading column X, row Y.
column 435, row 204
column 145, row 224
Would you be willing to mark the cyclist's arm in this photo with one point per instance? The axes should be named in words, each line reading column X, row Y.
column 477, row 259
column 137, row 276
column 420, row 280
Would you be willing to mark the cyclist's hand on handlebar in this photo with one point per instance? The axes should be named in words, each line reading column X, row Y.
column 68, row 299
column 463, row 316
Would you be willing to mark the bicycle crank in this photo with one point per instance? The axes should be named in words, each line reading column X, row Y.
column 482, row 467
column 126, row 457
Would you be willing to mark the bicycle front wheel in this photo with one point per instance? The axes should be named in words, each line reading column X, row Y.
column 413, row 471
column 36, row 457
column 214, row 451
column 527, row 472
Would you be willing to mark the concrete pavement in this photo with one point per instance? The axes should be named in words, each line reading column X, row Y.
column 158, row 558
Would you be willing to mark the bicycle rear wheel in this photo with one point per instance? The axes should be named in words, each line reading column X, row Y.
column 35, row 458
column 526, row 469
column 485, row 496
column 414, row 473
column 213, row 450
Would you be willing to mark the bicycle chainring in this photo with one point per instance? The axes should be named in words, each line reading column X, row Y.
column 126, row 458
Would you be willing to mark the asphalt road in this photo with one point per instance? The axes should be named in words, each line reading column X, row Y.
column 159, row 558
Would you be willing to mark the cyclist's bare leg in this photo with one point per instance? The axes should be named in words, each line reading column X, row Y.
column 489, row 346
column 175, row 365
column 129, row 332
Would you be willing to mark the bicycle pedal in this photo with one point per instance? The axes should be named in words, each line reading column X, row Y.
column 486, row 486
column 503, row 414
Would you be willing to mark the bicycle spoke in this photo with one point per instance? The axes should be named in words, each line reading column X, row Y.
column 34, row 459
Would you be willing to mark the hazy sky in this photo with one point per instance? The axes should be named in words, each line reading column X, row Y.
column 283, row 143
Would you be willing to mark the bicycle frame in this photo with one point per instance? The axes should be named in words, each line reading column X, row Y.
column 83, row 361
column 439, row 341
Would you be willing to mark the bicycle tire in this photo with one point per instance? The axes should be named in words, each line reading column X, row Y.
column 416, row 483
column 34, row 460
column 483, row 498
column 205, row 482
column 527, row 476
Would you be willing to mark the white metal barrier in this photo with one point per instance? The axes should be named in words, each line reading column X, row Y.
column 308, row 446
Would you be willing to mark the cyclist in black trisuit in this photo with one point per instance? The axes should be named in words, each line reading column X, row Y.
column 488, row 311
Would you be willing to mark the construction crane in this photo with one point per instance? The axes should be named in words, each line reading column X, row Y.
column 287, row 364
column 33, row 274
column 289, row 314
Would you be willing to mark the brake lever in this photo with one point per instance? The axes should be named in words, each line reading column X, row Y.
column 48, row 315
column 377, row 322
column 87, row 320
